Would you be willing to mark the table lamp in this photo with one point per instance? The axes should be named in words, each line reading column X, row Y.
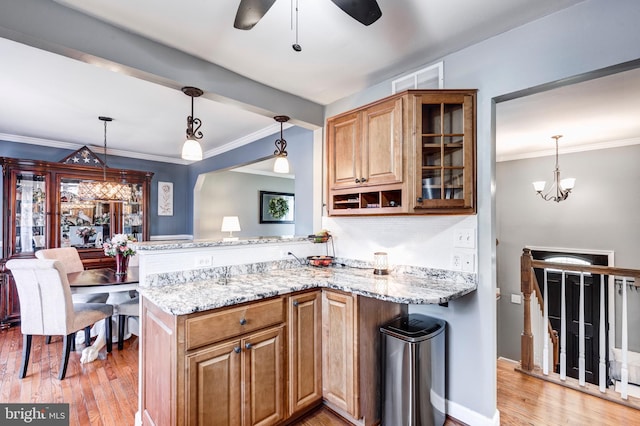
column 230, row 224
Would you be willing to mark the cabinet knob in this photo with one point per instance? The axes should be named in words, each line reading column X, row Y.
column 237, row 349
column 419, row 199
column 357, row 180
column 243, row 321
column 363, row 180
column 247, row 345
column 295, row 303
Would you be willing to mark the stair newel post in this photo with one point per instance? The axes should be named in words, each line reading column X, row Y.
column 526, row 286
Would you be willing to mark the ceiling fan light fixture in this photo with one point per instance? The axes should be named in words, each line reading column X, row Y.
column 191, row 149
column 281, row 164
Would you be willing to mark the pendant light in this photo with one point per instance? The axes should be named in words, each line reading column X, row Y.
column 281, row 164
column 191, row 150
column 105, row 190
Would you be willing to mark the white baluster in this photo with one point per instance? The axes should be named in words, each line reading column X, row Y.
column 545, row 328
column 624, row 372
column 581, row 356
column 602, row 350
column 563, row 331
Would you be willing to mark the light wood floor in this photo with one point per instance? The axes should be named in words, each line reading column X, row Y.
column 105, row 392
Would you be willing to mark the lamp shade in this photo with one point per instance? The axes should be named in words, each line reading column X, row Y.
column 281, row 165
column 539, row 185
column 568, row 183
column 191, row 150
column 230, row 224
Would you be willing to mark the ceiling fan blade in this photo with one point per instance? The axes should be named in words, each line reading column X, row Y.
column 250, row 12
column 364, row 11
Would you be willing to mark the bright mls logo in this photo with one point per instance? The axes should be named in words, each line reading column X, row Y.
column 34, row 414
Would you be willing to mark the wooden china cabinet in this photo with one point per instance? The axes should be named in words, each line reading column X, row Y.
column 42, row 208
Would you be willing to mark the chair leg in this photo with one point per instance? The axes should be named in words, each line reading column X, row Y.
column 47, row 340
column 108, row 333
column 67, row 341
column 87, row 336
column 121, row 321
column 26, row 350
column 73, row 342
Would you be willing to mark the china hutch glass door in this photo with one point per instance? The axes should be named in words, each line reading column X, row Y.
column 31, row 218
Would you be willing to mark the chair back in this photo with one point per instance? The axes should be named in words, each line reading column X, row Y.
column 46, row 307
column 69, row 257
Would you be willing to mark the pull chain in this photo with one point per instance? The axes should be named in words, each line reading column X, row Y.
column 295, row 45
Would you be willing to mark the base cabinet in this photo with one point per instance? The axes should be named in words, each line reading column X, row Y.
column 239, row 382
column 351, row 364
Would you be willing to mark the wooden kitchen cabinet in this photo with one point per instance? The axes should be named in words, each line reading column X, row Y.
column 409, row 153
column 239, row 382
column 444, row 147
column 221, row 367
column 305, row 351
column 351, row 363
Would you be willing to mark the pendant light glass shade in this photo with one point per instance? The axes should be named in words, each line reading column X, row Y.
column 105, row 190
column 191, row 150
column 281, row 165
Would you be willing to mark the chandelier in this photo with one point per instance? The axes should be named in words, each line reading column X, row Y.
column 282, row 164
column 105, row 190
column 559, row 189
column 191, row 150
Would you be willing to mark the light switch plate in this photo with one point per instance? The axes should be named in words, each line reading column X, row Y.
column 464, row 238
column 516, row 298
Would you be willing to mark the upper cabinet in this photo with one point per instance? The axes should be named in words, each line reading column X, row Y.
column 42, row 208
column 410, row 153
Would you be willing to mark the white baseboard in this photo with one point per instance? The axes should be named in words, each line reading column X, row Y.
column 471, row 417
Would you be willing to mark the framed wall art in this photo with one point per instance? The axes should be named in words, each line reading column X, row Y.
column 276, row 207
column 165, row 198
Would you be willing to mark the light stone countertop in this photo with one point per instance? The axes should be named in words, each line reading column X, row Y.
column 407, row 285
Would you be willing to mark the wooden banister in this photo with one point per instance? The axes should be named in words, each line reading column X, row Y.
column 526, row 286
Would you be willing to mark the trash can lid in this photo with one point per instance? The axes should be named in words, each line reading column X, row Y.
column 414, row 327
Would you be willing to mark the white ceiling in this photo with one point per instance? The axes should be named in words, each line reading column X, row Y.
column 49, row 98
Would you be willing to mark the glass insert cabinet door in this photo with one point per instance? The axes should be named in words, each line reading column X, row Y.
column 30, row 212
column 88, row 223
column 445, row 150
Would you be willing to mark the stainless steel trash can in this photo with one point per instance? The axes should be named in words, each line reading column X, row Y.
column 413, row 375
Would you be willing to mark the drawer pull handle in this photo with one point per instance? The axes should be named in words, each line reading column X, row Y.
column 237, row 349
column 247, row 346
column 295, row 303
column 243, row 321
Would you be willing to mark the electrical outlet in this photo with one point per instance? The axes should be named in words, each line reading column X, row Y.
column 456, row 261
column 204, row 261
column 468, row 262
column 464, row 238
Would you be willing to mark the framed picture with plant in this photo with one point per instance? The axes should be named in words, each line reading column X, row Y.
column 276, row 207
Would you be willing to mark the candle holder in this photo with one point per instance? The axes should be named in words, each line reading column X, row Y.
column 380, row 263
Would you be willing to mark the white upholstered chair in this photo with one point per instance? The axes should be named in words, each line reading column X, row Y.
column 46, row 307
column 71, row 261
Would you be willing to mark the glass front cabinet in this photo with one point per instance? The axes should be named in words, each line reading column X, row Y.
column 43, row 208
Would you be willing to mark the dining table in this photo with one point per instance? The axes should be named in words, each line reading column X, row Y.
column 102, row 280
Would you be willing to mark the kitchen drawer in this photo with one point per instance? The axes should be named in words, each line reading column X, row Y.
column 220, row 325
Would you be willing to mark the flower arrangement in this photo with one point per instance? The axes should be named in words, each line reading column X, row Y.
column 119, row 244
column 85, row 232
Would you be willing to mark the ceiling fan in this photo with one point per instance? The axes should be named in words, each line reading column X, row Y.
column 251, row 11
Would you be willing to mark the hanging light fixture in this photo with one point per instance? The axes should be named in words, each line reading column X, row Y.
column 105, row 190
column 191, row 150
column 562, row 187
column 282, row 164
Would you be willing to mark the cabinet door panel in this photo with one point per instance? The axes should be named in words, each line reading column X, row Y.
column 214, row 386
column 344, row 151
column 382, row 143
column 339, row 370
column 305, row 350
column 264, row 377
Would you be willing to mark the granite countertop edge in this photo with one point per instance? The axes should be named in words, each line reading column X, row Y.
column 202, row 292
